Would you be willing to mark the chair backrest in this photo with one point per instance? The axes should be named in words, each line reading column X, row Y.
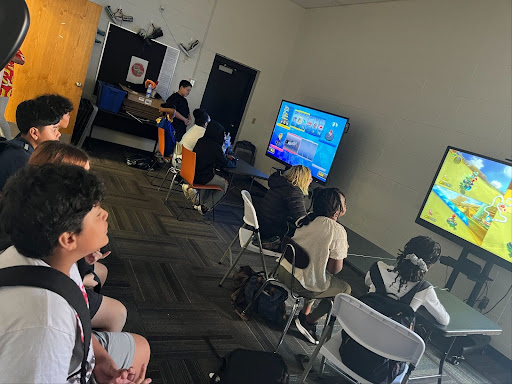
column 294, row 253
column 188, row 165
column 245, row 150
column 250, row 217
column 377, row 332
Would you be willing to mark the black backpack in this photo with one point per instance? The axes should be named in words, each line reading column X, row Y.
column 365, row 363
column 251, row 367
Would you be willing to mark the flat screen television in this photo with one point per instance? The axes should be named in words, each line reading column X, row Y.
column 470, row 203
column 306, row 136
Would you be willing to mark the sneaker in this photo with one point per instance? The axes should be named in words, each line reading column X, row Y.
column 186, row 191
column 202, row 209
column 308, row 330
column 195, row 196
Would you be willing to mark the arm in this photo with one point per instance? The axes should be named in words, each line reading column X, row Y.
column 183, row 118
column 334, row 266
column 434, row 306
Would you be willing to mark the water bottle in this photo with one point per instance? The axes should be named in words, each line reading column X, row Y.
column 149, row 90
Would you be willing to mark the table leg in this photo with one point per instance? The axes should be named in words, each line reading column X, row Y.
column 441, row 363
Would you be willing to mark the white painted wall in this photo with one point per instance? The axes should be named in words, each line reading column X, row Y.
column 413, row 76
column 259, row 34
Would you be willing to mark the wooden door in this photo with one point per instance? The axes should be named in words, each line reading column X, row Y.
column 57, row 51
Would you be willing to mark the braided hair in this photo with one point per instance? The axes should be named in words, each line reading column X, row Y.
column 424, row 248
column 326, row 202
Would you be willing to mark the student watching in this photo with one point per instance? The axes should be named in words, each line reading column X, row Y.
column 283, row 203
column 61, row 105
column 53, row 216
column 177, row 104
column 107, row 314
column 325, row 241
column 412, row 264
column 37, row 123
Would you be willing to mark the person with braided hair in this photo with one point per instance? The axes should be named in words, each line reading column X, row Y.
column 411, row 266
column 325, row 241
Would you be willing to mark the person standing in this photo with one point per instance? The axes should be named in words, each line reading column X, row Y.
column 177, row 102
column 6, row 77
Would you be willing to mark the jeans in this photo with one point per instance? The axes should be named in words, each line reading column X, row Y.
column 206, row 194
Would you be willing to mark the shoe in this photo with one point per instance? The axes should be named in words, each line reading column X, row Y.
column 195, row 197
column 202, row 209
column 186, row 191
column 308, row 330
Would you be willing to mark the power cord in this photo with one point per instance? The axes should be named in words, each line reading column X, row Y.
column 499, row 301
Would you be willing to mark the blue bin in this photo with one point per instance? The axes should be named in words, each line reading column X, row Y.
column 110, row 97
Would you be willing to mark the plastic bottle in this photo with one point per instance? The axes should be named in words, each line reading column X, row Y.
column 149, row 90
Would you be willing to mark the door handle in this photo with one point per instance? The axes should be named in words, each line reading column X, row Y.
column 78, row 84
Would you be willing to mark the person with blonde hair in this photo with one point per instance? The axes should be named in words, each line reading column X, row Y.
column 283, row 204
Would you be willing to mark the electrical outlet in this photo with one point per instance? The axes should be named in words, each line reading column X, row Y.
column 483, row 303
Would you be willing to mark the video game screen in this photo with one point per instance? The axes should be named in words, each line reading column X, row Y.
column 471, row 198
column 306, row 136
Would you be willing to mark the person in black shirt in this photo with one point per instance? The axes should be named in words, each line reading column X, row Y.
column 177, row 103
column 209, row 154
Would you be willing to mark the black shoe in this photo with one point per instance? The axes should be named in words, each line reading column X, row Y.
column 308, row 330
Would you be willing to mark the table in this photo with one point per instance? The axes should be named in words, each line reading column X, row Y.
column 243, row 168
column 464, row 320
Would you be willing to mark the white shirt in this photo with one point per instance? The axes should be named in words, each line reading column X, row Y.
column 40, row 334
column 193, row 134
column 426, row 297
column 322, row 239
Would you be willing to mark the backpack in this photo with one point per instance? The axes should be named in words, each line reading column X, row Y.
column 270, row 304
column 251, row 367
column 365, row 363
column 169, row 136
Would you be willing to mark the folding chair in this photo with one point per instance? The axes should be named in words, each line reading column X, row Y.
column 298, row 258
column 175, row 168
column 246, row 233
column 168, row 159
column 372, row 330
column 188, row 171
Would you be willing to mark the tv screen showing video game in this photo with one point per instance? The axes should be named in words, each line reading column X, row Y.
column 470, row 202
column 306, row 136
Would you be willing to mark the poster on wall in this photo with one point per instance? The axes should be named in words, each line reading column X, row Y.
column 137, row 70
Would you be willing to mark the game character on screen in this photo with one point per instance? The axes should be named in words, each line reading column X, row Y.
column 419, row 254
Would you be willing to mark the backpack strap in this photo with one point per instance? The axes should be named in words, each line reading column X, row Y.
column 420, row 286
column 377, row 280
column 55, row 281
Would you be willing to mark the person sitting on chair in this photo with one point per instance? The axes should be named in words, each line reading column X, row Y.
column 325, row 241
column 209, row 155
column 283, row 204
column 412, row 264
column 189, row 141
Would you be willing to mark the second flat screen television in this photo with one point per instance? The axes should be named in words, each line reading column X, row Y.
column 306, row 136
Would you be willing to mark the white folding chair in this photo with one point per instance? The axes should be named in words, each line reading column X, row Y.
column 245, row 234
column 371, row 329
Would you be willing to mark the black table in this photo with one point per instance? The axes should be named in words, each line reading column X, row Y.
column 243, row 168
column 464, row 320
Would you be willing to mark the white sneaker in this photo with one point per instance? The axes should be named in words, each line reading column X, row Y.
column 195, row 196
column 185, row 188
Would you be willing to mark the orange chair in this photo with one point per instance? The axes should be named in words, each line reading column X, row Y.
column 188, row 171
column 161, row 149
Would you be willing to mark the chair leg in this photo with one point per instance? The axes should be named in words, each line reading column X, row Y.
column 165, row 178
column 156, row 176
column 228, row 251
column 290, row 318
column 170, row 187
column 325, row 334
column 262, row 257
column 151, row 167
column 236, row 261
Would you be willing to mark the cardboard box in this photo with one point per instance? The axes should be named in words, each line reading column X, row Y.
column 141, row 106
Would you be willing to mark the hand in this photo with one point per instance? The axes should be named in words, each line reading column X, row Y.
column 95, row 256
column 127, row 376
column 230, row 157
column 89, row 281
column 186, row 121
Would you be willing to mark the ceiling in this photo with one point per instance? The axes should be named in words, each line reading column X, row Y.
column 331, row 3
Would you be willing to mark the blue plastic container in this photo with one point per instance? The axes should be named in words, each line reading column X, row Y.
column 110, row 97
